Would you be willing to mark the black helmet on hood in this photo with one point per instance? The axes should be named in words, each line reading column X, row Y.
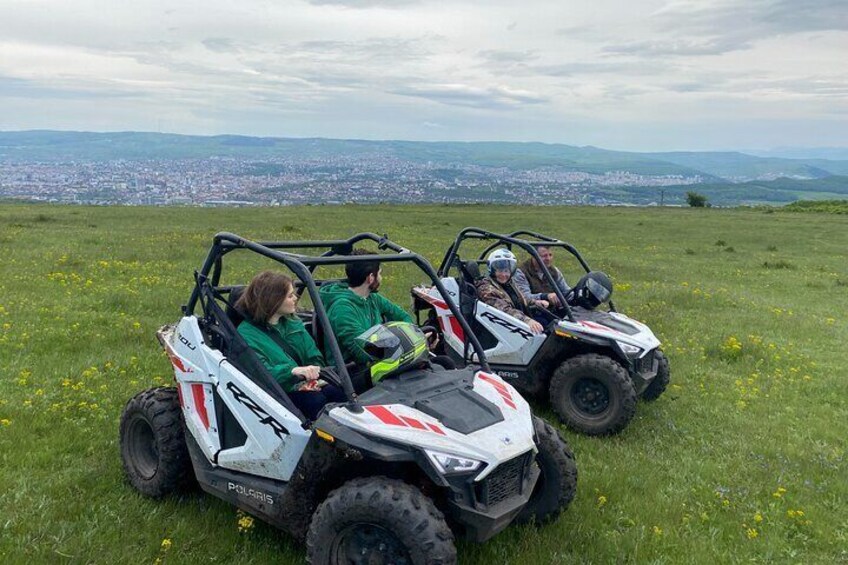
column 593, row 289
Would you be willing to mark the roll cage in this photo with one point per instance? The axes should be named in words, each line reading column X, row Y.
column 517, row 238
column 335, row 252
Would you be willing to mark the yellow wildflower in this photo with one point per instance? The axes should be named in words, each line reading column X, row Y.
column 601, row 501
column 758, row 517
column 751, row 533
column 166, row 544
column 245, row 522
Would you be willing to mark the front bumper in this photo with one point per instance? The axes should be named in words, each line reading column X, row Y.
column 644, row 370
column 486, row 507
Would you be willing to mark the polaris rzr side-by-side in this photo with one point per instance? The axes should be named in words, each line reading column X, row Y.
column 387, row 476
column 591, row 364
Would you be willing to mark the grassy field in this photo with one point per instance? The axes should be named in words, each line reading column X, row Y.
column 742, row 460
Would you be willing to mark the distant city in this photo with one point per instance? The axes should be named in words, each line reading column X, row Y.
column 161, row 169
column 281, row 182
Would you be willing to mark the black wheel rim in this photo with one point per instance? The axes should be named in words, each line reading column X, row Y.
column 144, row 452
column 369, row 544
column 590, row 396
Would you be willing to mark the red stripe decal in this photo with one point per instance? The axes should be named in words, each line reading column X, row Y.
column 180, row 394
column 595, row 326
column 175, row 360
column 388, row 417
column 199, row 404
column 385, row 415
column 497, row 384
column 457, row 328
column 500, row 388
column 178, row 363
column 436, row 429
column 438, row 303
column 413, row 423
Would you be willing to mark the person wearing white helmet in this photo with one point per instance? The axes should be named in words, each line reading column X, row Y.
column 498, row 289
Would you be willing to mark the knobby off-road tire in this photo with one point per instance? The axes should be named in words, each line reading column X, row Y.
column 660, row 382
column 593, row 394
column 153, row 447
column 557, row 483
column 379, row 520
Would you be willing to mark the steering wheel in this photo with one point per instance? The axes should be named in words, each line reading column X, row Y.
column 434, row 333
column 553, row 317
column 330, row 375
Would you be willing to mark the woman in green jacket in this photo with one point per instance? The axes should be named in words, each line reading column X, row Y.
column 273, row 330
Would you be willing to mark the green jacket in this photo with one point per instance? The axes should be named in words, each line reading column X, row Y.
column 276, row 360
column 350, row 315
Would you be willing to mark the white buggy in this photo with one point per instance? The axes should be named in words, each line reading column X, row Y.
column 389, row 476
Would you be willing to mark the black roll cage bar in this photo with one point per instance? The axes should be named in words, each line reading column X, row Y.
column 515, row 238
column 304, row 265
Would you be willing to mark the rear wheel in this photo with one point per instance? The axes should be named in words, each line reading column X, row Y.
column 593, row 394
column 661, row 380
column 377, row 520
column 153, row 447
column 557, row 481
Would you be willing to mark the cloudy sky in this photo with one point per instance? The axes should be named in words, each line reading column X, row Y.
column 644, row 75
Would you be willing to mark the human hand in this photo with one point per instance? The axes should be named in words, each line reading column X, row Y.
column 552, row 298
column 432, row 339
column 535, row 327
column 542, row 303
column 307, row 373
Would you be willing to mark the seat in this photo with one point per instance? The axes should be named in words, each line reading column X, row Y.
column 470, row 272
column 233, row 314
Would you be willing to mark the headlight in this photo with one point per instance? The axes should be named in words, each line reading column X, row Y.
column 630, row 350
column 448, row 464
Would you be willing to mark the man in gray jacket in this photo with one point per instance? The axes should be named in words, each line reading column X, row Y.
column 532, row 283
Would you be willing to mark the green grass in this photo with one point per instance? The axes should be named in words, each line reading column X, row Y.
column 743, row 459
column 828, row 206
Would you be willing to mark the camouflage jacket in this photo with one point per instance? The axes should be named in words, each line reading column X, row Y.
column 494, row 295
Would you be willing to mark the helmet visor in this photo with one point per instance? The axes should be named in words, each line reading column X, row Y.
column 507, row 265
column 379, row 342
column 599, row 291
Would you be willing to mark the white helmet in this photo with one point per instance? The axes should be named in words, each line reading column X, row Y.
column 501, row 260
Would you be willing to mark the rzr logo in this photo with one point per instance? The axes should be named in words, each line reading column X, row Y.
column 504, row 324
column 264, row 418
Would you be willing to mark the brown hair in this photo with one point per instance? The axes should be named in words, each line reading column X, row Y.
column 263, row 295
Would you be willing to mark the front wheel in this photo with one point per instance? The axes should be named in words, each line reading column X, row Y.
column 593, row 394
column 557, row 481
column 661, row 380
column 153, row 447
column 377, row 520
